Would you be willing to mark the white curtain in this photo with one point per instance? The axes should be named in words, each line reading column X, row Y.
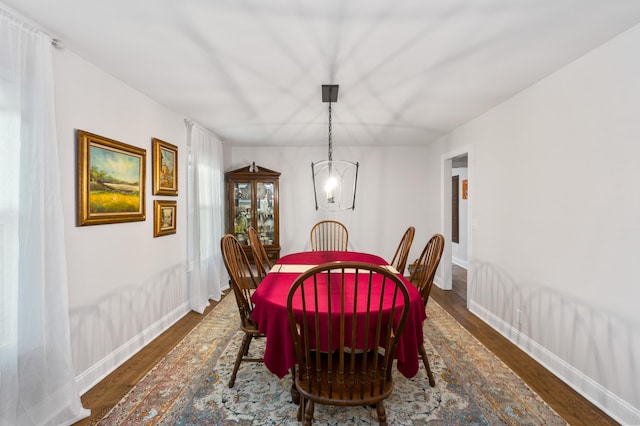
column 206, row 271
column 37, row 380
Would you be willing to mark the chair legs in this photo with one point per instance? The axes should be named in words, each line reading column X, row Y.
column 382, row 414
column 301, row 408
column 295, row 395
column 309, row 408
column 243, row 353
column 425, row 360
column 305, row 411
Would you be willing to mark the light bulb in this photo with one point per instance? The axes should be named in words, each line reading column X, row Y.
column 329, row 187
column 331, row 183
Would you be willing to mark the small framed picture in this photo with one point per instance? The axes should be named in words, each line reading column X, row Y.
column 165, row 168
column 111, row 178
column 164, row 217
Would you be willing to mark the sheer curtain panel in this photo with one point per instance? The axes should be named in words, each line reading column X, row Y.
column 206, row 274
column 37, row 380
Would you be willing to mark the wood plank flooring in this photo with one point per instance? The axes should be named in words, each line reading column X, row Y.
column 570, row 405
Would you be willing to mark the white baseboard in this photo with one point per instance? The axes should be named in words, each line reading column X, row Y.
column 90, row 377
column 460, row 262
column 616, row 408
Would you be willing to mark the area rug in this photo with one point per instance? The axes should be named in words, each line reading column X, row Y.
column 189, row 386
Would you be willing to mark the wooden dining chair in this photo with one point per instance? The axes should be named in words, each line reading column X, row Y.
column 424, row 270
column 329, row 235
column 355, row 368
column 399, row 261
column 260, row 258
column 243, row 282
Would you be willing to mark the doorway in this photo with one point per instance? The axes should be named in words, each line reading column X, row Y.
column 459, row 218
column 456, row 217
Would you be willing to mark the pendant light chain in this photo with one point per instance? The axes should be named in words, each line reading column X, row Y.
column 330, row 142
column 334, row 182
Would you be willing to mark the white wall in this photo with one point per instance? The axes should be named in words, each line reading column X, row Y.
column 555, row 210
column 125, row 286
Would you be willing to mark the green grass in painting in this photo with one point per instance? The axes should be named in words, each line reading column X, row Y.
column 113, row 202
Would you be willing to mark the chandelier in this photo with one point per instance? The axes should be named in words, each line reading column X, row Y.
column 334, row 181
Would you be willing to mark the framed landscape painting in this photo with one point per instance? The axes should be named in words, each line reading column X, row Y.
column 165, row 168
column 111, row 179
column 164, row 222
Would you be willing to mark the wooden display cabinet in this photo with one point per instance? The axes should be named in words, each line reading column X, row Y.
column 252, row 198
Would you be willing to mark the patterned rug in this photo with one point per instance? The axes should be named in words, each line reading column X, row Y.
column 189, row 386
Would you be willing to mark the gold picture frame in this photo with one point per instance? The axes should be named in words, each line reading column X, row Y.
column 164, row 217
column 165, row 168
column 111, row 180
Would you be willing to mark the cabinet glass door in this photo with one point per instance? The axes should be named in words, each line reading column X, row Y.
column 264, row 208
column 242, row 210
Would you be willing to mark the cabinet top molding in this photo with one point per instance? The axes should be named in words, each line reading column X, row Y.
column 248, row 171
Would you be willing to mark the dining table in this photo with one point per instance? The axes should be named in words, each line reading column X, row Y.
column 271, row 315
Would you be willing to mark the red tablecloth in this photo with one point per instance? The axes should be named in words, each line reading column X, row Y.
column 270, row 312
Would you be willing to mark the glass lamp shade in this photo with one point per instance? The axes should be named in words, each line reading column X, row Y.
column 334, row 184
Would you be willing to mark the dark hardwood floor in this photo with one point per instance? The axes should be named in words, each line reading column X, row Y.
column 570, row 405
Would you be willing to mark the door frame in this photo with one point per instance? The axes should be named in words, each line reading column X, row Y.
column 444, row 276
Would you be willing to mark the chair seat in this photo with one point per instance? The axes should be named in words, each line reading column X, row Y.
column 248, row 326
column 341, row 387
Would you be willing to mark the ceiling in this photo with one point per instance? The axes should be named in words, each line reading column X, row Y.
column 251, row 71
